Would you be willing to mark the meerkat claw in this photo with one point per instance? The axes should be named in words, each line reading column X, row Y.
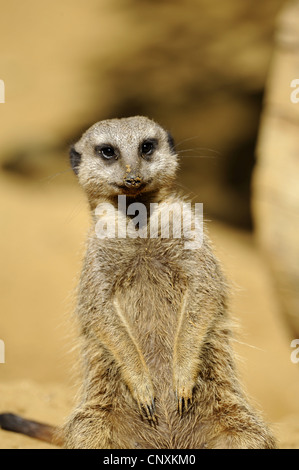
column 184, row 402
column 148, row 411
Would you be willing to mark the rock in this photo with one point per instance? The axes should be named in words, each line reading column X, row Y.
column 275, row 182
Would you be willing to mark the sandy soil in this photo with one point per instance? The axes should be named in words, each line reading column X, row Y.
column 44, row 226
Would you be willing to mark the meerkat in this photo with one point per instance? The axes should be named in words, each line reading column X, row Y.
column 157, row 361
column 158, row 369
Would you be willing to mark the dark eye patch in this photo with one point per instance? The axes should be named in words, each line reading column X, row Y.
column 148, row 147
column 106, row 151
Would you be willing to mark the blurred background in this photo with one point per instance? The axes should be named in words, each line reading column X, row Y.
column 217, row 75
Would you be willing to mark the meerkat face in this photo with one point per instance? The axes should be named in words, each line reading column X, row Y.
column 126, row 156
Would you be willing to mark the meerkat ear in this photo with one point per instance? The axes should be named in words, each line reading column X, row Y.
column 170, row 140
column 75, row 159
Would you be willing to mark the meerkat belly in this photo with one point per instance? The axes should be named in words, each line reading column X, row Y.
column 151, row 302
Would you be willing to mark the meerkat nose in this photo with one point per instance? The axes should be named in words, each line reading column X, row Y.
column 132, row 181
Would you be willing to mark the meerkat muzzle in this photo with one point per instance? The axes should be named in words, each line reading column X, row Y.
column 132, row 182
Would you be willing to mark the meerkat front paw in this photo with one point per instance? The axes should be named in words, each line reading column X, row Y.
column 183, row 394
column 145, row 398
column 183, row 389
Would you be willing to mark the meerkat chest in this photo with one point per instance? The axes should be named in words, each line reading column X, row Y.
column 151, row 265
column 149, row 279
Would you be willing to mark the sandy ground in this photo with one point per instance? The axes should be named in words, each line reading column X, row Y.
column 44, row 226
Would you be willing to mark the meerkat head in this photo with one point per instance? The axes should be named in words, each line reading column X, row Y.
column 127, row 156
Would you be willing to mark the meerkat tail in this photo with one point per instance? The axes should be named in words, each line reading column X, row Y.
column 35, row 429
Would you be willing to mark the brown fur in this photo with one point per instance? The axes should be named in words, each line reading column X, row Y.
column 158, row 367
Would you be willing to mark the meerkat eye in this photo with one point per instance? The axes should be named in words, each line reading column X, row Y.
column 106, row 151
column 148, row 147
